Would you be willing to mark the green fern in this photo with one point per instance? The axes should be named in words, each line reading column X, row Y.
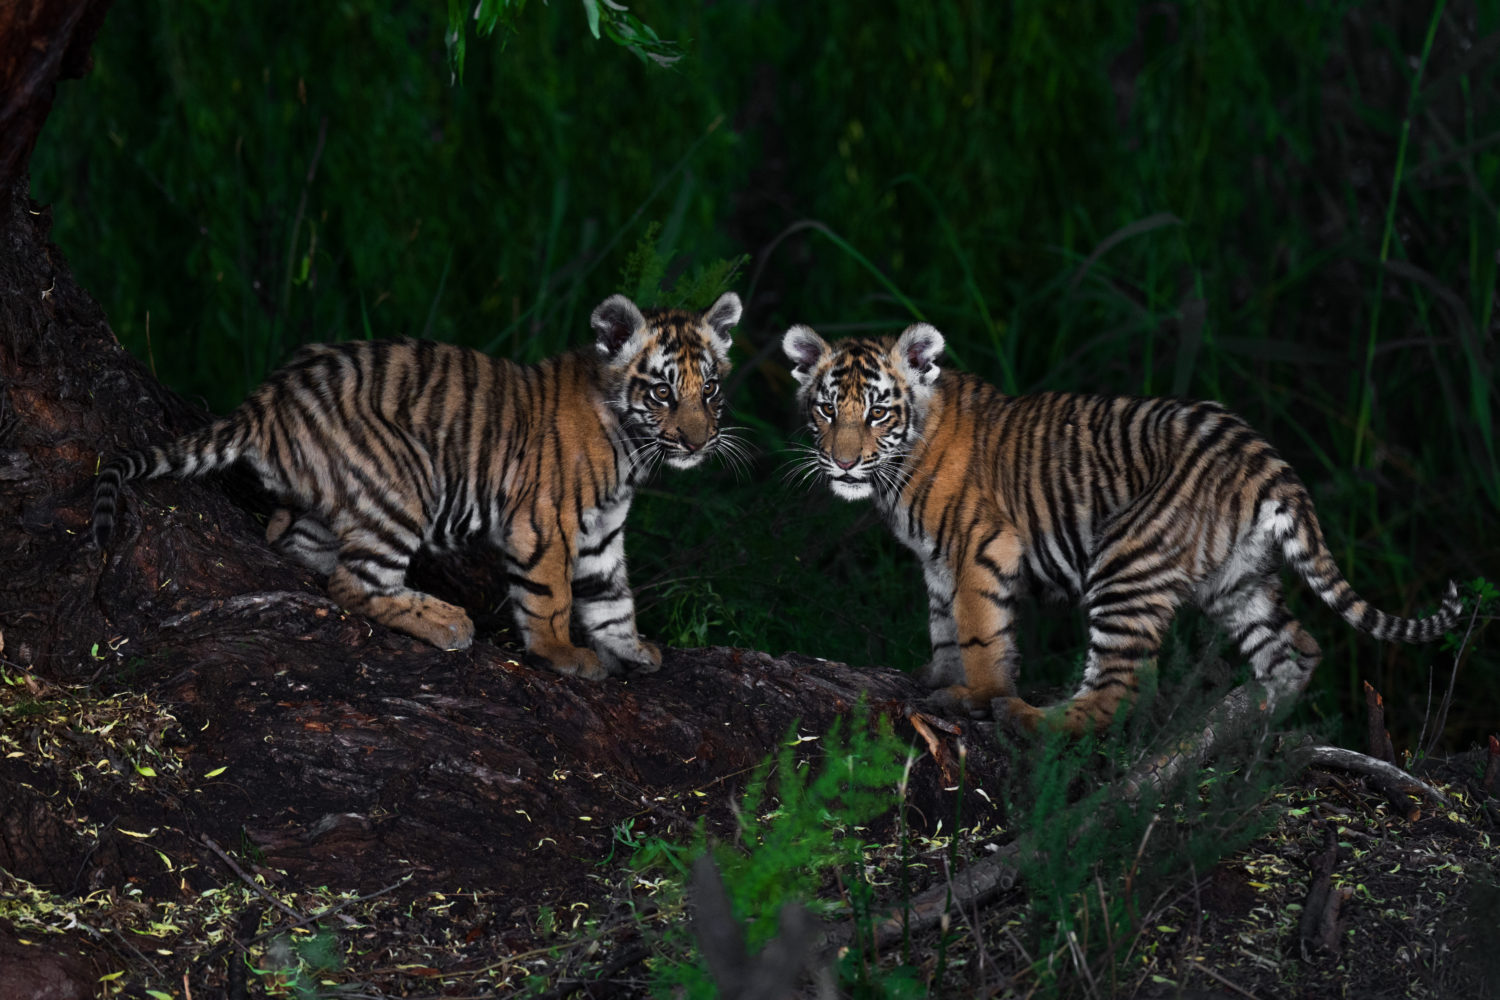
column 644, row 275
column 605, row 20
column 645, row 266
column 798, row 831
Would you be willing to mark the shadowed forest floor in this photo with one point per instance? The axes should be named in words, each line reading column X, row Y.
column 164, row 837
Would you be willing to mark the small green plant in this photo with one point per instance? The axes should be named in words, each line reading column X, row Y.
column 800, row 831
column 694, row 612
column 652, row 275
column 606, row 19
column 1481, row 602
column 298, row 965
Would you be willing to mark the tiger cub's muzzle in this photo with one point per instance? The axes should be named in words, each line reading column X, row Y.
column 690, row 439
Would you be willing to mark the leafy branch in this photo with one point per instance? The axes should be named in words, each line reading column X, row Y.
column 606, row 19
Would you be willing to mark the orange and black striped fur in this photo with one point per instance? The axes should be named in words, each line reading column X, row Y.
column 1130, row 506
column 378, row 449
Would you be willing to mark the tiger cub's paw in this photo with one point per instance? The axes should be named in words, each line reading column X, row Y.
column 958, row 699
column 642, row 657
column 437, row 622
column 1017, row 714
column 570, row 661
column 940, row 671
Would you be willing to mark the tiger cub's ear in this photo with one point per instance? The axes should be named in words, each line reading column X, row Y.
column 916, row 354
column 720, row 318
column 804, row 349
column 615, row 321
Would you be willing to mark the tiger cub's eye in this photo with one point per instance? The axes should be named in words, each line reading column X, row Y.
column 878, row 413
column 661, row 391
column 827, row 410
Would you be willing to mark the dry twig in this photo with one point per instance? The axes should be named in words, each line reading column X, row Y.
column 1322, row 924
column 1378, row 738
column 245, row 878
column 1367, row 766
column 925, row 725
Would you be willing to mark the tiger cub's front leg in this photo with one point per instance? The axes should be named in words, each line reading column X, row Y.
column 541, row 592
column 985, row 581
column 946, row 666
column 601, row 592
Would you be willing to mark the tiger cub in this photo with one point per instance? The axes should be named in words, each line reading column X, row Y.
column 1130, row 506
column 378, row 449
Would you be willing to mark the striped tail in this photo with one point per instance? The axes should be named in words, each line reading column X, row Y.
column 1296, row 528
column 213, row 447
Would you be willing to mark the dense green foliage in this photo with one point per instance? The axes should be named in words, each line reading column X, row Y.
column 1288, row 207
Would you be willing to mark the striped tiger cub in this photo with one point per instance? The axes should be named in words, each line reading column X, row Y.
column 378, row 449
column 1130, row 506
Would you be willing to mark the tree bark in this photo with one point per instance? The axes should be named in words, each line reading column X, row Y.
column 41, row 41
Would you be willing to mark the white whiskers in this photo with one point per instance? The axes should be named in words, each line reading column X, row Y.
column 734, row 449
column 806, row 468
column 892, row 475
column 642, row 461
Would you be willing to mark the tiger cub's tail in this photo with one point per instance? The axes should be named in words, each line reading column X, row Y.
column 216, row 446
column 1296, row 528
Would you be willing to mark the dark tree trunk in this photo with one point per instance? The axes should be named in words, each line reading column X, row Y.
column 350, row 752
column 41, row 42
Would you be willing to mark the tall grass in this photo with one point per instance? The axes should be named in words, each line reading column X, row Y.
column 1291, row 208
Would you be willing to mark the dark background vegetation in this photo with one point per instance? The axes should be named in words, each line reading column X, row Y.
column 1291, row 208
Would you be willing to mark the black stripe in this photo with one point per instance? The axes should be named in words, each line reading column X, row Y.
column 1133, row 653
column 591, row 588
column 1250, row 652
column 1005, row 602
column 1106, row 626
column 531, row 586
column 604, row 543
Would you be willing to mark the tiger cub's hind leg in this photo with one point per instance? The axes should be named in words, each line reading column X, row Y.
column 370, row 578
column 1121, row 646
column 305, row 539
column 1129, row 611
column 603, row 605
column 1280, row 651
